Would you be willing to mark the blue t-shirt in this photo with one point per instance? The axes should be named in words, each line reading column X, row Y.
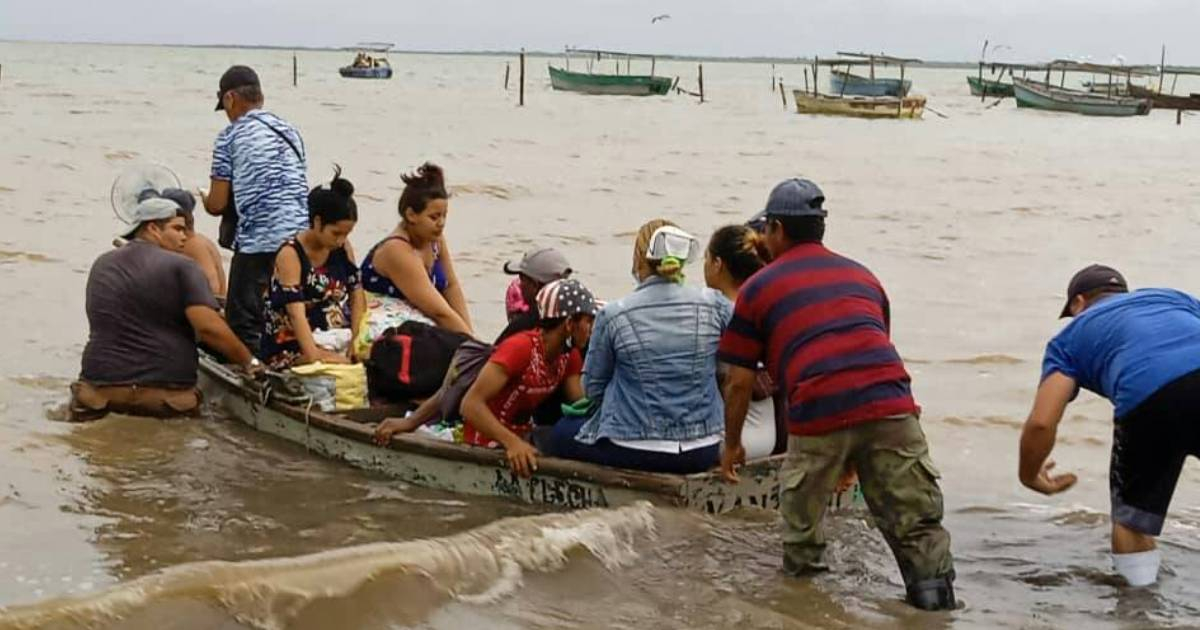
column 270, row 181
column 1126, row 347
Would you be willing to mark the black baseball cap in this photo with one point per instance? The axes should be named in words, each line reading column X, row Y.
column 1089, row 279
column 234, row 78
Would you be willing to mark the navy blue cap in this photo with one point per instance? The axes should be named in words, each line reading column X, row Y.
column 795, row 197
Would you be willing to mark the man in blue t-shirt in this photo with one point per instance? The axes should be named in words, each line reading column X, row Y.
column 1141, row 351
column 259, row 163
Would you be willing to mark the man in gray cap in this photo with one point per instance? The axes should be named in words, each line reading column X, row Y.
column 259, row 187
column 146, row 306
column 535, row 270
column 820, row 322
column 1141, row 351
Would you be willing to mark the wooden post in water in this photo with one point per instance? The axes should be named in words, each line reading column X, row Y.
column 1162, row 68
column 507, row 69
column 295, row 78
column 521, row 100
column 782, row 94
column 1178, row 117
column 816, row 64
column 900, row 107
column 700, row 79
column 983, row 87
column 773, row 77
column 806, row 80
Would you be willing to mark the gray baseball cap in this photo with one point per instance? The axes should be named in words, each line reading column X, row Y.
column 795, row 197
column 544, row 265
column 152, row 209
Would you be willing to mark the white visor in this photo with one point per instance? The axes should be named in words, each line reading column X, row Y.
column 671, row 241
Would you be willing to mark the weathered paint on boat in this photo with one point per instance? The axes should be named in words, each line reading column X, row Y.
column 1166, row 101
column 377, row 72
column 859, row 106
column 480, row 471
column 842, row 82
column 1033, row 94
column 987, row 87
column 620, row 84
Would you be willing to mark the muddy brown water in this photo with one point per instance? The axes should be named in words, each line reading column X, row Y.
column 973, row 223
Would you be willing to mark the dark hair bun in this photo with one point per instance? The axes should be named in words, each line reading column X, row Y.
column 342, row 187
column 428, row 175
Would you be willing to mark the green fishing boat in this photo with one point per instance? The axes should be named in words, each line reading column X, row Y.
column 594, row 81
column 988, row 87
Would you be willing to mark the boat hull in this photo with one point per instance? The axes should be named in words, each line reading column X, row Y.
column 1166, row 101
column 987, row 87
column 853, row 85
column 1034, row 95
column 351, row 72
column 481, row 471
column 611, row 84
column 911, row 107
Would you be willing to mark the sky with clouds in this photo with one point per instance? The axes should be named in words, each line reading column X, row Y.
column 931, row 29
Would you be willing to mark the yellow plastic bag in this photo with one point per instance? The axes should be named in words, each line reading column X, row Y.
column 333, row 386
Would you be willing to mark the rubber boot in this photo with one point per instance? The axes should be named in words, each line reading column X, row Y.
column 934, row 594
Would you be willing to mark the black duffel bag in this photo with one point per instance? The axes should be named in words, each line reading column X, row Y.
column 410, row 361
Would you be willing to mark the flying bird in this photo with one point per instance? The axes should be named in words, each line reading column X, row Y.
column 658, row 18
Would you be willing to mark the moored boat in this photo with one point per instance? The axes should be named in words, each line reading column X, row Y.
column 989, row 87
column 348, row 436
column 1037, row 95
column 620, row 84
column 911, row 107
column 847, row 83
column 370, row 62
column 1166, row 101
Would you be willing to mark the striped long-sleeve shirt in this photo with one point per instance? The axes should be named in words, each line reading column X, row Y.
column 819, row 321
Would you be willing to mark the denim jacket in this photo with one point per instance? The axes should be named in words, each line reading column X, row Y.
column 652, row 363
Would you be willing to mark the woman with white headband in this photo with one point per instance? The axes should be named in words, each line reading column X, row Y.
column 650, row 373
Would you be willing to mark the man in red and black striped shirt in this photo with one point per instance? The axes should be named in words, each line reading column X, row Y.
column 820, row 323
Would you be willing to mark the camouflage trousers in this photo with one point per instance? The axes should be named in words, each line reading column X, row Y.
column 898, row 481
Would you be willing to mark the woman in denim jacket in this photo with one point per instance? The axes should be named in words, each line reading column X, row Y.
column 651, row 368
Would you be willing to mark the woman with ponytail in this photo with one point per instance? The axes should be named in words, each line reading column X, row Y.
column 409, row 275
column 736, row 252
column 315, row 299
column 650, row 373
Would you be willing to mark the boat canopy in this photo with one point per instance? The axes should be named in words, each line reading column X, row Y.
column 1066, row 65
column 594, row 56
column 867, row 59
column 375, row 47
column 608, row 54
column 1181, row 70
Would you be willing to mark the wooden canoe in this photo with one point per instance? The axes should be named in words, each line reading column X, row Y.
column 1037, row 95
column 618, row 84
column 1166, row 101
column 911, row 107
column 347, row 436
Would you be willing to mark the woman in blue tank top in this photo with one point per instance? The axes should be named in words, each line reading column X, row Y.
column 410, row 274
